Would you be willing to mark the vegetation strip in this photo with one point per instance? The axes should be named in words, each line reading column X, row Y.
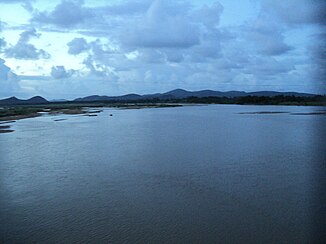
column 265, row 112
column 6, row 131
column 91, row 108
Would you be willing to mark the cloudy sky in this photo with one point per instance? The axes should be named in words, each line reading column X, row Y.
column 72, row 48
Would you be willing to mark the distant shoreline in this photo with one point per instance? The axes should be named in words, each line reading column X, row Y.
column 9, row 114
column 184, row 96
column 17, row 112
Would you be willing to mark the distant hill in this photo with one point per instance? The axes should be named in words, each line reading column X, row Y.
column 180, row 93
column 96, row 98
column 15, row 101
column 174, row 94
column 274, row 93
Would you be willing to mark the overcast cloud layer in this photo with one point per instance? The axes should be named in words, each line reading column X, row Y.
column 72, row 48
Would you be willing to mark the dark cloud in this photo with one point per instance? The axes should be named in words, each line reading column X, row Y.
column 4, row 71
column 320, row 16
column 209, row 15
column 174, row 57
column 60, row 72
column 24, row 50
column 28, row 34
column 97, row 70
column 15, row 1
column 100, row 57
column 160, row 28
column 295, row 14
column 297, row 11
column 74, row 14
column 77, row 46
column 27, row 4
column 174, row 32
column 163, row 44
column 264, row 67
column 210, row 47
column 317, row 52
column 2, row 25
column 101, row 51
column 3, row 44
column 274, row 46
column 151, row 56
column 126, row 8
column 66, row 14
column 266, row 37
column 158, row 25
column 97, row 49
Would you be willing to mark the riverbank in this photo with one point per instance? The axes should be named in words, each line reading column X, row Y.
column 5, row 129
column 12, row 113
column 18, row 112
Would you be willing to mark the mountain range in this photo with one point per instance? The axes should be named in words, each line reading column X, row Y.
column 180, row 93
column 16, row 101
column 174, row 94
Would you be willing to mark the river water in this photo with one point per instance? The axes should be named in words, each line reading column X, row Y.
column 193, row 174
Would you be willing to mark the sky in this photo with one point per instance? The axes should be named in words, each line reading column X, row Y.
column 63, row 49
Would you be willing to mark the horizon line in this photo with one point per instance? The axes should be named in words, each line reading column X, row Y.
column 144, row 94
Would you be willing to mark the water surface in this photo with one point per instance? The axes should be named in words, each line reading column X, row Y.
column 194, row 174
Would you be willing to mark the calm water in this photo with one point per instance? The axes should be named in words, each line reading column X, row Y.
column 201, row 174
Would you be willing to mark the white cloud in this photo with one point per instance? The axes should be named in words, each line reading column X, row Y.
column 77, row 46
column 209, row 15
column 297, row 11
column 24, row 50
column 15, row 1
column 159, row 28
column 2, row 40
column 153, row 45
column 9, row 81
column 59, row 72
column 266, row 37
column 66, row 14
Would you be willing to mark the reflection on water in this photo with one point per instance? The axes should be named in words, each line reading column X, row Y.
column 201, row 174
